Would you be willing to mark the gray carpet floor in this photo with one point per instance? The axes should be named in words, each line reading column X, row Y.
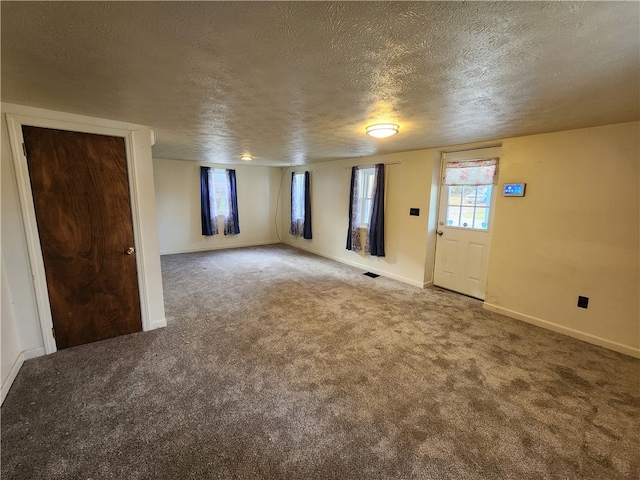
column 277, row 364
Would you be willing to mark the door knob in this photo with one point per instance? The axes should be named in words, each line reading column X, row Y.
column 130, row 250
column 440, row 232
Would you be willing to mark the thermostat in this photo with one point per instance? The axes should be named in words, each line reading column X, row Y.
column 513, row 189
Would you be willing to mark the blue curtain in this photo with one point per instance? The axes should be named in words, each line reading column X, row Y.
column 307, row 206
column 232, row 224
column 376, row 225
column 205, row 203
column 352, row 205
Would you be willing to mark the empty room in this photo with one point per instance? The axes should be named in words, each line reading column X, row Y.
column 320, row 240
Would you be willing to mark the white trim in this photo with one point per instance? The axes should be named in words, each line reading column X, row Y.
column 16, row 116
column 31, row 232
column 409, row 281
column 33, row 353
column 554, row 327
column 6, row 385
column 17, row 365
column 219, row 247
column 145, row 314
column 78, row 123
column 157, row 324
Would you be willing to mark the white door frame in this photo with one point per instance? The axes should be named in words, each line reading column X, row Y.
column 134, row 136
column 471, row 153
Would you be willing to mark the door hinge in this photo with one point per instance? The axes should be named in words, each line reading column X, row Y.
column 53, row 332
column 24, row 149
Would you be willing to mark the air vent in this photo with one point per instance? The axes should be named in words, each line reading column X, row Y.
column 372, row 275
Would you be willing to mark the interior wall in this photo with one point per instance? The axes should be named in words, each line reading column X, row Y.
column 177, row 185
column 19, row 288
column 11, row 351
column 432, row 218
column 574, row 233
column 408, row 185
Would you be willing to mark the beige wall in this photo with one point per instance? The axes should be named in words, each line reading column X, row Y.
column 574, row 233
column 408, row 185
column 177, row 186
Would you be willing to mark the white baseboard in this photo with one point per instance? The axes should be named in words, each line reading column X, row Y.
column 158, row 324
column 6, row 385
column 15, row 368
column 359, row 265
column 218, row 247
column 585, row 337
column 34, row 352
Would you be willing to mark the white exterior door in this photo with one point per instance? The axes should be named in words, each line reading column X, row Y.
column 465, row 216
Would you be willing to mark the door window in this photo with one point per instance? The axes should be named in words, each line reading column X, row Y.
column 468, row 206
column 469, row 185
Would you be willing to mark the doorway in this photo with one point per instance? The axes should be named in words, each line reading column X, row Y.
column 465, row 219
column 80, row 188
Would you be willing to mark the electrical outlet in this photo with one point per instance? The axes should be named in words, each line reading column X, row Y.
column 583, row 302
column 414, row 211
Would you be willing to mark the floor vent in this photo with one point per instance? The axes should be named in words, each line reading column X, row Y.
column 372, row 275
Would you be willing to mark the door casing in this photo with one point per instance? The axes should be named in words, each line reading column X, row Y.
column 131, row 134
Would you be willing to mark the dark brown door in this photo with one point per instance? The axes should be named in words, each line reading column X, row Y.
column 81, row 195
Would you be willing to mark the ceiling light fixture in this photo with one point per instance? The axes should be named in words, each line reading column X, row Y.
column 246, row 158
column 382, row 130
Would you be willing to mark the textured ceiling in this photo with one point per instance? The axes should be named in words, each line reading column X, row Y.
column 297, row 82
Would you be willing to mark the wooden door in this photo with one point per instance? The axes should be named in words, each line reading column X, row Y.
column 80, row 191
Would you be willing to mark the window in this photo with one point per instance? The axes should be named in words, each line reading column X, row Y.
column 470, row 184
column 218, row 198
column 366, row 190
column 297, row 197
column 366, row 210
column 468, row 206
column 218, row 178
column 300, row 205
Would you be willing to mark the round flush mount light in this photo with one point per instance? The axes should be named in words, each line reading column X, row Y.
column 246, row 158
column 382, row 130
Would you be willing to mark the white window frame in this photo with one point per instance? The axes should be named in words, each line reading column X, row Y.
column 366, row 189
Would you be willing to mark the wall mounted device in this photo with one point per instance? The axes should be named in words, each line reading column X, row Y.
column 583, row 302
column 513, row 189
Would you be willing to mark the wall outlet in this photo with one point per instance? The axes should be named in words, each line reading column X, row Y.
column 583, row 302
column 414, row 211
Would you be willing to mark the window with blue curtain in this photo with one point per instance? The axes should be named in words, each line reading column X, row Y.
column 366, row 210
column 300, row 205
column 218, row 198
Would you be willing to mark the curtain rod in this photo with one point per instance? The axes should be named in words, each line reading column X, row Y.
column 369, row 166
